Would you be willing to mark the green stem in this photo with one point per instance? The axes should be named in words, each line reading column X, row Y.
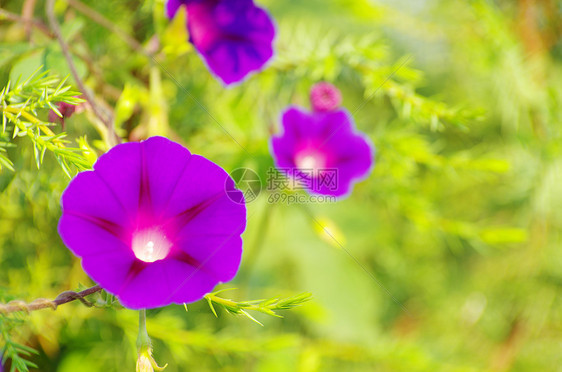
column 112, row 138
column 254, row 253
column 143, row 341
column 145, row 359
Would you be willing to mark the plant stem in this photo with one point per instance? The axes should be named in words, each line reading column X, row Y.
column 106, row 23
column 31, row 118
column 145, row 361
column 254, row 253
column 108, row 89
column 143, row 340
column 4, row 14
column 27, row 15
column 42, row 303
column 113, row 139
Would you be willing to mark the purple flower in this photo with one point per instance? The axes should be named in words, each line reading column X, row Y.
column 234, row 37
column 153, row 223
column 325, row 97
column 323, row 150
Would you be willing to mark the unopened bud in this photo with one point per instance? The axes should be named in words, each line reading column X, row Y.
column 325, row 97
column 144, row 364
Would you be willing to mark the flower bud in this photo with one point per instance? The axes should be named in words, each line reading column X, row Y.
column 66, row 110
column 144, row 363
column 325, row 97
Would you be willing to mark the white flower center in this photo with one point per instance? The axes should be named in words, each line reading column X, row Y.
column 310, row 161
column 150, row 245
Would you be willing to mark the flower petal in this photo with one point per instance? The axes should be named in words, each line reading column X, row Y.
column 297, row 128
column 234, row 36
column 222, row 261
column 120, row 168
column 83, row 195
column 213, row 238
column 105, row 257
column 165, row 162
column 301, row 128
column 86, row 237
column 221, row 217
column 190, row 283
column 353, row 154
column 172, row 7
column 200, row 182
column 110, row 269
column 164, row 282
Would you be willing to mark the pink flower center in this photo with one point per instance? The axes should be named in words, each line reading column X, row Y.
column 310, row 160
column 151, row 245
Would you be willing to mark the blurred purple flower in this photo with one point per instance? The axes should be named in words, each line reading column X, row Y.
column 323, row 149
column 153, row 223
column 325, row 97
column 234, row 37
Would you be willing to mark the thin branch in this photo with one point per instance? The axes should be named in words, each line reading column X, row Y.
column 42, row 303
column 108, row 89
column 106, row 23
column 108, row 122
column 4, row 14
column 27, row 15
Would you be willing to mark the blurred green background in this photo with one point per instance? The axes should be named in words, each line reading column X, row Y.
column 457, row 231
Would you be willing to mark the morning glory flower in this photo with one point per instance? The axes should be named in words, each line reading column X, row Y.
column 322, row 150
column 153, row 223
column 234, row 37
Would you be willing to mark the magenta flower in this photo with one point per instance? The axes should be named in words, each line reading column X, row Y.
column 234, row 37
column 322, row 150
column 153, row 223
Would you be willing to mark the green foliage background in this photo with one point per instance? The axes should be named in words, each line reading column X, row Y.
column 456, row 233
